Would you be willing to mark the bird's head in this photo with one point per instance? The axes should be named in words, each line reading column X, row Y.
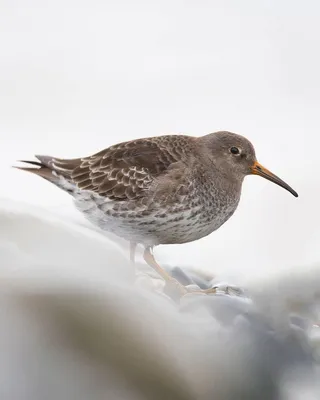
column 235, row 156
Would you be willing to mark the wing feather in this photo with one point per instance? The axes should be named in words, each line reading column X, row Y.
column 127, row 170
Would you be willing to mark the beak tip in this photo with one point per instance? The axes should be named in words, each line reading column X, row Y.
column 258, row 169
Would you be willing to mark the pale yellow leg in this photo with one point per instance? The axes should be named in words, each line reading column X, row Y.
column 209, row 291
column 150, row 260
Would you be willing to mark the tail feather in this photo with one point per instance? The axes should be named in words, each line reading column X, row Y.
column 60, row 166
column 45, row 160
column 32, row 162
column 43, row 171
column 50, row 166
column 53, row 169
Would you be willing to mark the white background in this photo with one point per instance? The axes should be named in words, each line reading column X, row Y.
column 78, row 76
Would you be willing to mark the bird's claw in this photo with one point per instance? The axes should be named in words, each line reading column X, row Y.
column 176, row 290
column 194, row 289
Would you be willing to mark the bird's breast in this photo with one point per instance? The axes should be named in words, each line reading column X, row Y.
column 187, row 216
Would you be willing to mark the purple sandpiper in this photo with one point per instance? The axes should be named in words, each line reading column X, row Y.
column 159, row 190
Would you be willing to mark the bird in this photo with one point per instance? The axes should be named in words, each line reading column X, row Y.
column 169, row 189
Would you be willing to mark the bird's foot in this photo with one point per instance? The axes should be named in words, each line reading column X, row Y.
column 223, row 288
column 176, row 290
column 173, row 288
column 194, row 289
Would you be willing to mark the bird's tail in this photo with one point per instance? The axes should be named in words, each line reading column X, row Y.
column 50, row 168
column 42, row 168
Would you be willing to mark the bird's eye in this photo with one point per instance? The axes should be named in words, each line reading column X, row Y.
column 235, row 150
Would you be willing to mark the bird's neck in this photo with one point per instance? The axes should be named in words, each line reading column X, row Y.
column 216, row 183
column 219, row 173
column 226, row 181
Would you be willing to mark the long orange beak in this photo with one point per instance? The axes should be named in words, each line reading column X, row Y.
column 258, row 169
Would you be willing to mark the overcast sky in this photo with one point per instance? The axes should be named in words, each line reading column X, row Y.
column 78, row 76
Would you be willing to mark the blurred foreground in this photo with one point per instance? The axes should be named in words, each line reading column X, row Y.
column 78, row 324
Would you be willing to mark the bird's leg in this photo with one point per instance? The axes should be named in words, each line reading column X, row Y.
column 133, row 247
column 208, row 291
column 172, row 283
column 149, row 259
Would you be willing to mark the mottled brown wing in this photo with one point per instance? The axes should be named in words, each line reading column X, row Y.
column 124, row 171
